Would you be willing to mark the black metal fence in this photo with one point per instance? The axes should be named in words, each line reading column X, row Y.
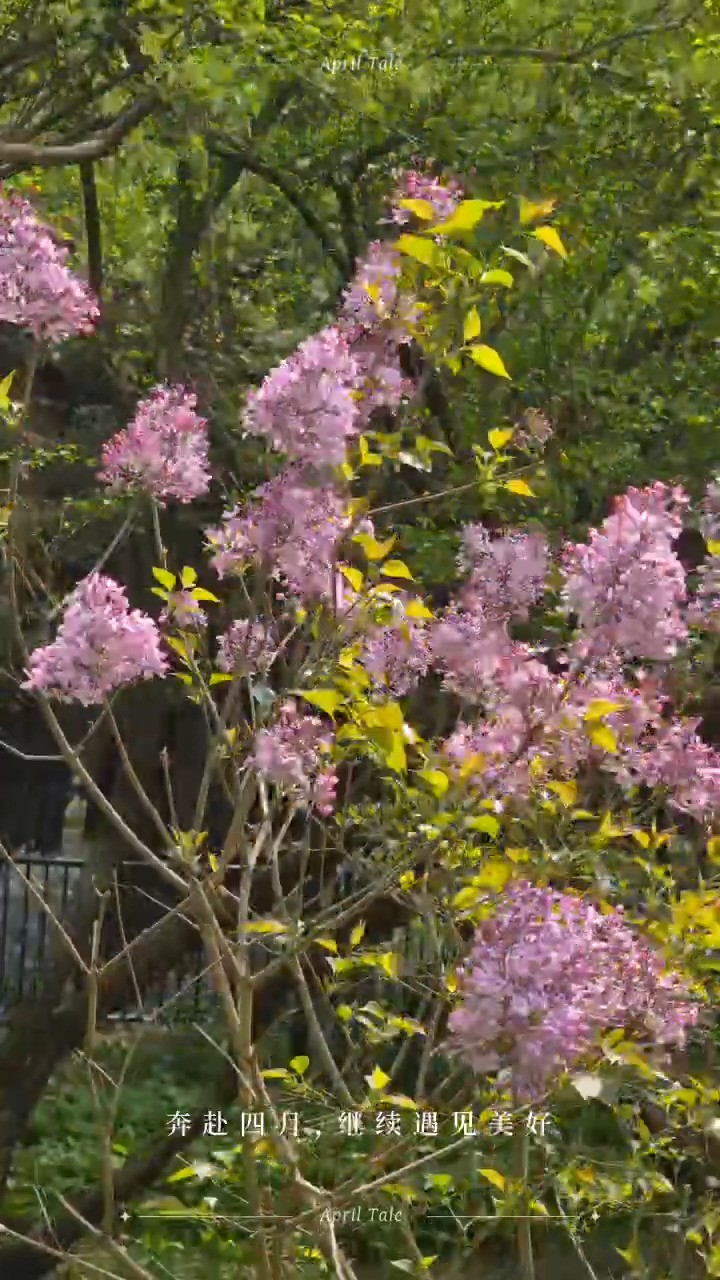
column 25, row 936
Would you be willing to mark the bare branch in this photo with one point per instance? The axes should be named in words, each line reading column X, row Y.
column 47, row 155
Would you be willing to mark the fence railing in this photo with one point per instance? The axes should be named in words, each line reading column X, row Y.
column 26, row 934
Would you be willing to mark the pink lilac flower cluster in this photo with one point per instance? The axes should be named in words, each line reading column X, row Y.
column 397, row 656
column 37, row 290
column 626, row 584
column 164, row 450
column 246, row 647
column 292, row 529
column 318, row 399
column 507, row 574
column 444, row 196
column 378, row 270
column 101, row 645
column 549, row 972
column 294, row 754
column 307, row 406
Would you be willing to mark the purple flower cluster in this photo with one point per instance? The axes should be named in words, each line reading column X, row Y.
column 507, row 575
column 292, row 529
column 444, row 196
column 101, row 645
column 307, row 406
column 246, row 647
column 37, row 291
column 294, row 755
column 164, row 450
column 626, row 585
column 547, row 973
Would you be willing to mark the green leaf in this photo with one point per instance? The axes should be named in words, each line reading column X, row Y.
column 485, row 823
column 165, row 578
column 494, row 1177
column 497, row 276
column 328, row 700
column 219, row 677
column 488, row 359
column 266, row 926
column 188, row 577
column 422, row 250
column 300, row 1064
column 276, row 1073
column 436, row 780
column 472, row 325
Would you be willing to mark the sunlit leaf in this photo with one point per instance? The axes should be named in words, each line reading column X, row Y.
column 550, row 237
column 498, row 438
column 471, row 325
column 488, row 359
column 520, row 487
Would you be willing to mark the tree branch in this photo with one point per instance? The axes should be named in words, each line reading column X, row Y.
column 46, row 155
column 93, row 229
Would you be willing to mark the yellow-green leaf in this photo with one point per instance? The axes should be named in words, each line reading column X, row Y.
column 567, row 791
column 378, row 1079
column 344, row 1012
column 436, row 780
column 416, row 609
column 165, row 578
column 488, row 359
column 497, row 276
column 604, row 738
column 300, row 1064
column 357, row 934
column 328, row 943
column 499, row 438
column 713, row 848
column 466, row 898
column 276, row 1073
column 200, row 593
column 421, row 208
column 387, row 716
column 485, row 823
column 494, row 1177
column 327, row 700
column 353, row 576
column 407, row 880
column 472, row 325
column 373, row 549
column 421, row 250
column 600, row 707
column 5, row 386
column 266, row 926
column 396, row 569
column 188, row 577
column 466, row 216
column 713, row 548
column 550, row 237
column 521, row 487
column 529, row 210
